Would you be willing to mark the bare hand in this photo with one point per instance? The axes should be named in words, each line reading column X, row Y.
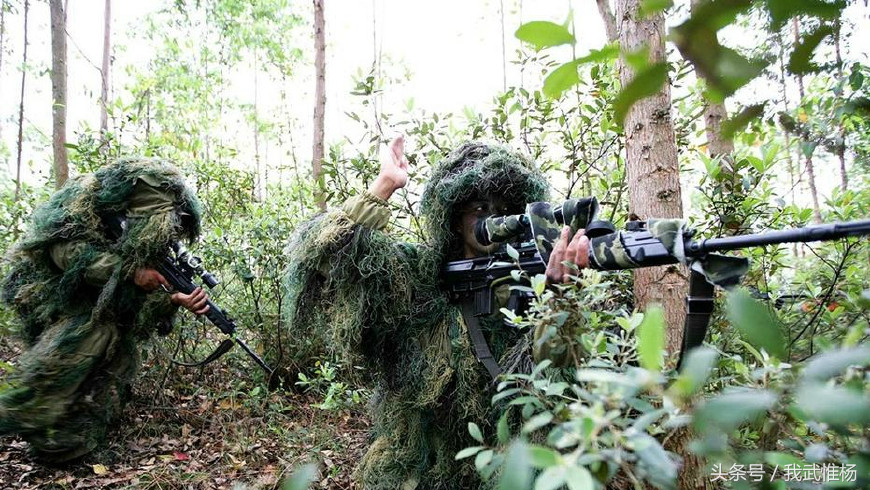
column 149, row 279
column 195, row 301
column 394, row 172
column 568, row 249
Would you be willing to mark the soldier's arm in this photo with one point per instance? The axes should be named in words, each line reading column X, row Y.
column 96, row 273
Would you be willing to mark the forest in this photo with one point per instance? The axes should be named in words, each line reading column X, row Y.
column 725, row 117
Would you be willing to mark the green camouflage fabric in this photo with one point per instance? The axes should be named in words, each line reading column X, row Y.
column 82, row 320
column 607, row 253
column 377, row 302
column 504, row 229
column 546, row 227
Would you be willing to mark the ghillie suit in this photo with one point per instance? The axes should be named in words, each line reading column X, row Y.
column 378, row 303
column 82, row 318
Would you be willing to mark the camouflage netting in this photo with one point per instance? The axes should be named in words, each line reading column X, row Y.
column 82, row 324
column 378, row 303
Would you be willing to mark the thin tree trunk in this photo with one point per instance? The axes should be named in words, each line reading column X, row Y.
column 258, row 182
column 610, row 26
column 652, row 167
column 503, row 48
column 319, row 100
column 58, row 92
column 841, row 147
column 107, row 49
column 21, row 105
column 811, row 173
column 2, row 48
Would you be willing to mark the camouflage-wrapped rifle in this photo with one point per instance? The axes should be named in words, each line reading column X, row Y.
column 527, row 240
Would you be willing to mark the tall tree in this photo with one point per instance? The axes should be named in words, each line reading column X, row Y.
column 609, row 20
column 104, row 71
column 21, row 104
column 319, row 99
column 2, row 47
column 58, row 92
column 652, row 169
column 805, row 146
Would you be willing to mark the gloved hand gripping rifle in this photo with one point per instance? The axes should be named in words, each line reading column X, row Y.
column 641, row 244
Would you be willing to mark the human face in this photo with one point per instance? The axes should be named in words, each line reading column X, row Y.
column 470, row 213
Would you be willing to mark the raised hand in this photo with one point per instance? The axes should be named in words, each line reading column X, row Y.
column 394, row 171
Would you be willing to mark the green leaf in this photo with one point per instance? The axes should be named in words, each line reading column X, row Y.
column 661, row 468
column 542, row 34
column 474, row 430
column 543, row 457
column 561, row 79
column 482, row 459
column 651, row 339
column 301, row 479
column 833, row 405
column 695, row 370
column 781, row 459
column 740, row 120
column 645, row 84
column 551, row 478
column 512, row 252
column 578, row 478
column 517, row 474
column 756, row 324
column 651, row 7
column 727, row 411
column 830, row 364
column 783, row 10
column 468, row 452
column 799, row 63
column 502, row 429
column 536, row 422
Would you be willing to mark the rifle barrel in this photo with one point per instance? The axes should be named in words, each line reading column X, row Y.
column 811, row 233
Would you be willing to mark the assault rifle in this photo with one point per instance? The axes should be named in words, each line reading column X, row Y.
column 179, row 267
column 527, row 241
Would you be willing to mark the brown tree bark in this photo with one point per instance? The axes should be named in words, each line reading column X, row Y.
column 652, row 169
column 58, row 92
column 21, row 105
column 319, row 100
column 107, row 49
column 609, row 20
column 808, row 159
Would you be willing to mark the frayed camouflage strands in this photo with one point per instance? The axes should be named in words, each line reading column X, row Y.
column 83, row 321
column 375, row 302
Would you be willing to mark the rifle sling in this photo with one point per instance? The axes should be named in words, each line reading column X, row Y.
column 699, row 307
column 481, row 348
column 222, row 349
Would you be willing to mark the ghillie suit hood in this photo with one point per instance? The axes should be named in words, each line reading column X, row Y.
column 357, row 294
column 476, row 170
column 81, row 315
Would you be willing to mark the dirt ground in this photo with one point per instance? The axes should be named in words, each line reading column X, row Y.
column 212, row 430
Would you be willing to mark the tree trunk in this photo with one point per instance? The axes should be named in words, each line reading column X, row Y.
column 319, row 101
column 609, row 20
column 503, row 48
column 2, row 48
column 808, row 161
column 841, row 147
column 107, row 49
column 21, row 105
column 58, row 92
column 652, row 168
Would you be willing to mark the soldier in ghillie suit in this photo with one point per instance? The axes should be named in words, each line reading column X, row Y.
column 87, row 296
column 379, row 304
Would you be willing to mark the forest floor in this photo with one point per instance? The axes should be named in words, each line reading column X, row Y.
column 192, row 429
